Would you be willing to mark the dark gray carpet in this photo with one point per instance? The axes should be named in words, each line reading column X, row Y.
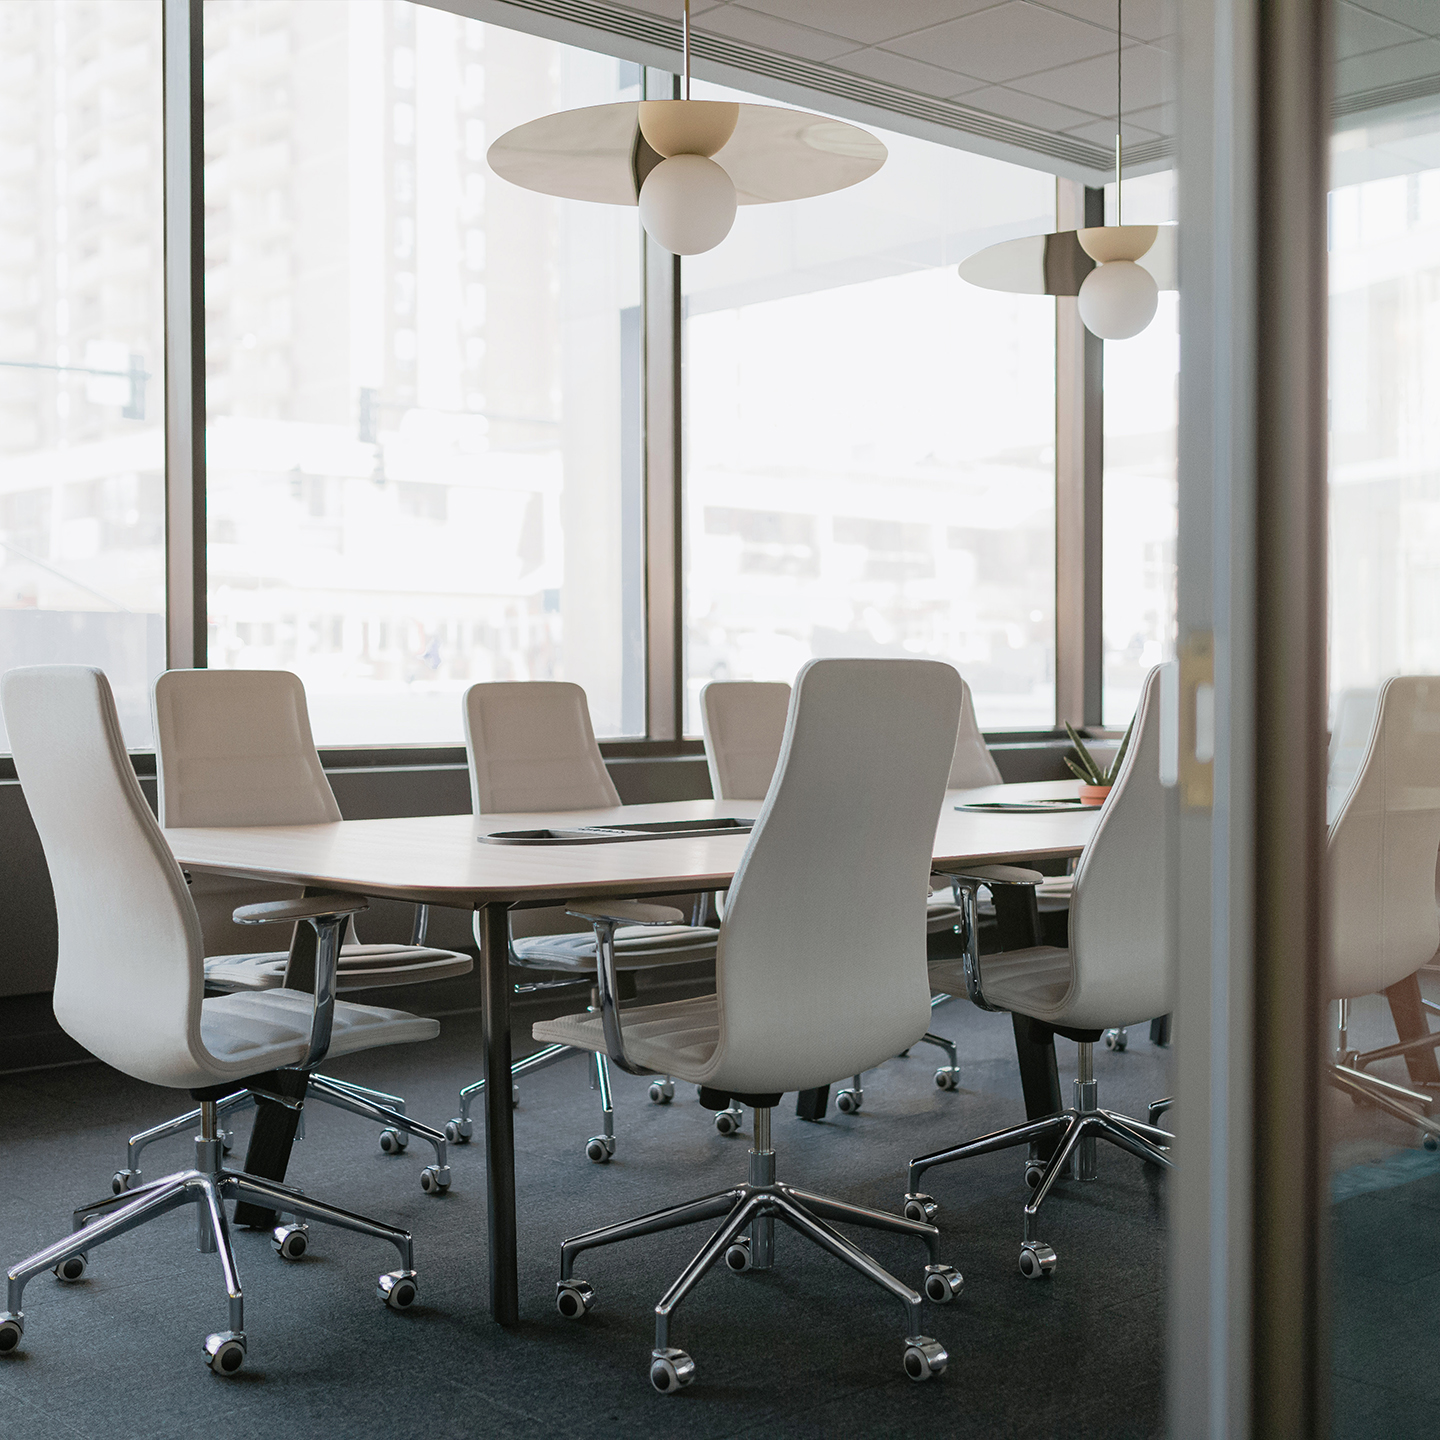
column 808, row 1349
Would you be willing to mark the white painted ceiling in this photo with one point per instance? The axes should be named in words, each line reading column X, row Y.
column 1029, row 80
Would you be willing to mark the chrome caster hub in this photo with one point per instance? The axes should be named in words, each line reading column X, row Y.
column 435, row 1179
column 1036, row 1259
column 1034, row 1172
column 727, row 1122
column 458, row 1131
column 670, row 1370
column 290, row 1241
column 393, row 1141
column 921, row 1207
column 225, row 1351
column 12, row 1327
column 398, row 1289
column 600, row 1148
column 942, row 1283
column 947, row 1077
column 925, row 1357
column 122, row 1180
column 738, row 1257
column 1116, row 1039
column 71, row 1270
column 573, row 1299
column 662, row 1092
column 848, row 1102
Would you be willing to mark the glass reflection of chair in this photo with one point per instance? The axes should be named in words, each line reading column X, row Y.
column 531, row 748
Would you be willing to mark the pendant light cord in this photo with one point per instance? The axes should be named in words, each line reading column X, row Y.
column 685, row 36
column 1119, row 109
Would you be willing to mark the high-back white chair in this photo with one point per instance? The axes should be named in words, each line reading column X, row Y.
column 820, row 972
column 972, row 765
column 234, row 747
column 531, row 749
column 1382, row 856
column 1116, row 971
column 1349, row 740
column 129, row 986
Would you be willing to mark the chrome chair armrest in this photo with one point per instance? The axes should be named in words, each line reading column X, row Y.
column 966, row 888
column 328, row 915
column 421, row 926
column 627, row 912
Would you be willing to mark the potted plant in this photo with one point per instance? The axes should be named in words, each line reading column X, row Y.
column 1095, row 779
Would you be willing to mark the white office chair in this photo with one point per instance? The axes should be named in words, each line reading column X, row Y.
column 1349, row 740
column 532, row 749
column 1116, row 971
column 1382, row 855
column 233, row 747
column 130, row 982
column 820, row 973
column 744, row 724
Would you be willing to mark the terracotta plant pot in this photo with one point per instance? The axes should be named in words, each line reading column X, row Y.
column 1093, row 794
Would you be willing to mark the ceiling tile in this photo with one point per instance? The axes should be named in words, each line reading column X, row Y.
column 1090, row 84
column 1163, row 118
column 1102, row 132
column 868, row 21
column 1005, row 41
column 1414, row 61
column 1141, row 19
column 912, row 74
column 1421, row 15
column 1358, row 31
column 741, row 23
column 1027, row 109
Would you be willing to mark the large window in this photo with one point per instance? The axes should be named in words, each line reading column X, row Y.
column 420, row 376
column 870, row 461
column 82, row 452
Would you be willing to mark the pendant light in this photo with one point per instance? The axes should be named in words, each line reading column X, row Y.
column 1117, row 296
column 686, row 163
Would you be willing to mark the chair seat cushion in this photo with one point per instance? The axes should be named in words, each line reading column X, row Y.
column 1034, row 982
column 265, row 1030
column 677, row 1038
column 362, row 967
column 636, row 947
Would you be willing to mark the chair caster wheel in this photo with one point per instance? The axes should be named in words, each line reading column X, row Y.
column 225, row 1351
column 573, row 1299
column 942, row 1283
column 72, row 1269
column 925, row 1357
column 227, row 1141
column 727, row 1122
column 12, row 1327
column 290, row 1241
column 458, row 1131
column 600, row 1148
column 947, row 1078
column 848, row 1102
column 738, row 1257
column 1431, row 1142
column 1034, row 1172
column 435, row 1179
column 670, row 1370
column 122, row 1180
column 1116, row 1039
column 1036, row 1259
column 921, row 1207
column 398, row 1289
column 662, row 1092
column 393, row 1141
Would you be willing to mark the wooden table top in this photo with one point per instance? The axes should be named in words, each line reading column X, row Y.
column 438, row 859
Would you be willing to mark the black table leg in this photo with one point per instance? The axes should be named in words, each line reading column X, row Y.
column 810, row 1104
column 272, row 1135
column 1160, row 1030
column 493, row 929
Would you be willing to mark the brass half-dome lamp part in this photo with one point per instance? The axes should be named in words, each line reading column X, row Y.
column 1099, row 263
column 686, row 163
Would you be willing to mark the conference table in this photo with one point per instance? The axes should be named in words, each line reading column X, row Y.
column 450, row 860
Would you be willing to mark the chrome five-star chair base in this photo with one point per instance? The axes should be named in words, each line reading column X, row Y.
column 746, row 1242
column 1076, row 1130
column 204, row 1187
column 1347, row 1072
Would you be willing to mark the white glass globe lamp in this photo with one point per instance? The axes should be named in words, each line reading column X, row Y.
column 687, row 204
column 1118, row 299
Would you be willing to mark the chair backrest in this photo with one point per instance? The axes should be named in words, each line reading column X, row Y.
column 1349, row 739
column 234, row 748
column 130, row 977
column 1384, row 844
column 531, row 747
column 1120, row 912
column 744, row 724
column 972, row 765
column 821, row 964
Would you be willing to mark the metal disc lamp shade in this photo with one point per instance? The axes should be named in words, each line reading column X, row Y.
column 686, row 163
column 1099, row 264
